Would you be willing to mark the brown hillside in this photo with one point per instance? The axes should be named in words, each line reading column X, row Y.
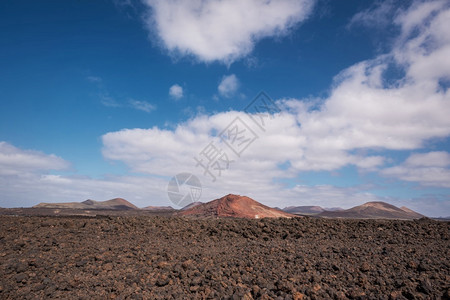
column 235, row 206
column 374, row 210
column 115, row 204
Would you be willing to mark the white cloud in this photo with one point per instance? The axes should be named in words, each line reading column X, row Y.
column 228, row 86
column 168, row 152
column 365, row 111
column 142, row 105
column 94, row 79
column 416, row 16
column 431, row 159
column 176, row 91
column 105, row 98
column 378, row 15
column 221, row 30
column 35, row 188
column 25, row 181
column 108, row 101
column 428, row 169
column 15, row 161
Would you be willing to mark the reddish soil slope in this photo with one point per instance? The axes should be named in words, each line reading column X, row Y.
column 235, row 206
column 416, row 215
column 190, row 205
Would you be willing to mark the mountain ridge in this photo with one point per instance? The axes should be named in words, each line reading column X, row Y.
column 114, row 204
column 303, row 209
column 245, row 207
column 374, row 210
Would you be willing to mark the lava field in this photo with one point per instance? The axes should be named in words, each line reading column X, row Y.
column 152, row 257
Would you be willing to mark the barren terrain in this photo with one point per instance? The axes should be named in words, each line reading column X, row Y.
column 146, row 257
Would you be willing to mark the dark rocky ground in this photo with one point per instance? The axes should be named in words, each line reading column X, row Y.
column 150, row 257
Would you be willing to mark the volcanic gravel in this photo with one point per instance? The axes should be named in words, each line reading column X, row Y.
column 138, row 257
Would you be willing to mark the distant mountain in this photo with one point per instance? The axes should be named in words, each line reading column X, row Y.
column 333, row 208
column 374, row 210
column 113, row 204
column 234, row 206
column 190, row 205
column 304, row 210
column 158, row 208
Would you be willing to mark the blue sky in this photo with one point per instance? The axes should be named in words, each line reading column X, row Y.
column 108, row 99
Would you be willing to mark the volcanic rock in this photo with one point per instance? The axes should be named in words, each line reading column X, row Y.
column 154, row 257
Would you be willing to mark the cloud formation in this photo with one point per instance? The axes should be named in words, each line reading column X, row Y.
column 15, row 161
column 176, row 91
column 228, row 86
column 26, row 180
column 221, row 31
column 428, row 169
column 105, row 98
column 378, row 15
column 141, row 105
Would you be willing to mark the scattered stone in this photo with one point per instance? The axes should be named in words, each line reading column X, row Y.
column 22, row 277
column 108, row 267
column 365, row 267
column 396, row 295
column 197, row 280
column 194, row 288
column 163, row 280
column 187, row 264
column 425, row 286
column 80, row 263
column 446, row 295
column 21, row 267
column 355, row 294
column 423, row 266
column 160, row 257
column 298, row 296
